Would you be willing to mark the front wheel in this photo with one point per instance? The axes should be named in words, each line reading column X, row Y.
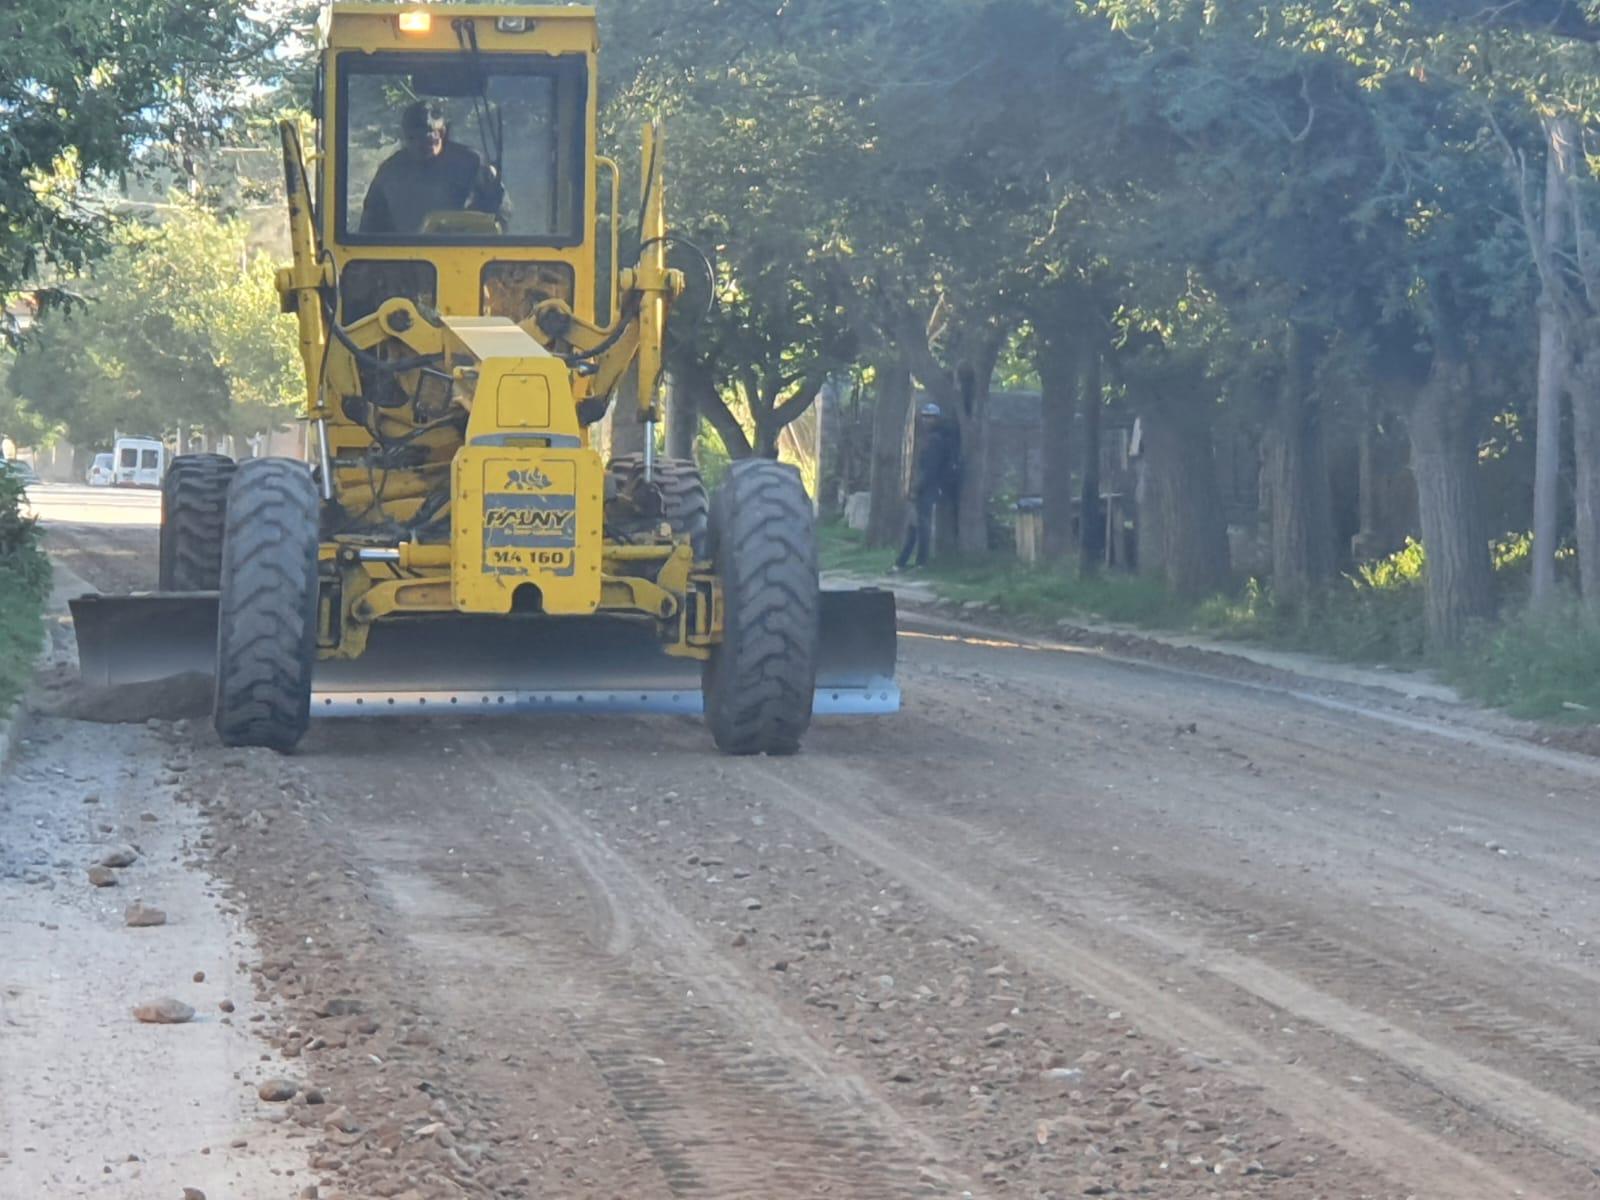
column 267, row 609
column 761, row 678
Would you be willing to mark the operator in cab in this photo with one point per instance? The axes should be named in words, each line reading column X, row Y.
column 428, row 174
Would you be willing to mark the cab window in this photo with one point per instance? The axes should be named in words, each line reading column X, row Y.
column 460, row 148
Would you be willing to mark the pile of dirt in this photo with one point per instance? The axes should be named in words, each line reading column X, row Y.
column 170, row 699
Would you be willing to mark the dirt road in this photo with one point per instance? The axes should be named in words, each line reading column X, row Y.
column 1066, row 926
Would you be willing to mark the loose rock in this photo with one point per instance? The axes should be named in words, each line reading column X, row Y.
column 277, row 1090
column 140, row 915
column 119, row 856
column 165, row 1011
column 341, row 1120
column 102, row 876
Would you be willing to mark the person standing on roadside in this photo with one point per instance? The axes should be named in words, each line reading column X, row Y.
column 936, row 472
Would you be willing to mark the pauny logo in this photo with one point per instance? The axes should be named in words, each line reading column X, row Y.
column 531, row 480
column 529, row 520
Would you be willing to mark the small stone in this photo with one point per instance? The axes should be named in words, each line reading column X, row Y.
column 119, row 856
column 339, row 1006
column 341, row 1120
column 164, row 1011
column 193, row 1194
column 102, row 876
column 751, row 903
column 314, row 1096
column 149, row 817
column 199, row 976
column 225, row 1005
column 140, row 915
column 275, row 1091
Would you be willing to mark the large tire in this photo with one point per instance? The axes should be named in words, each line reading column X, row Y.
column 761, row 678
column 194, row 497
column 267, row 612
column 679, row 499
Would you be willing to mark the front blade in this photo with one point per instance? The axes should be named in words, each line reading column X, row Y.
column 473, row 663
column 856, row 654
column 144, row 637
column 497, row 663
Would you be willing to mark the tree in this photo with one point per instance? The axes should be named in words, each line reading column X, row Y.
column 180, row 327
column 84, row 88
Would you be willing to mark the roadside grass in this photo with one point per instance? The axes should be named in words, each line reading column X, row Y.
column 24, row 584
column 1534, row 666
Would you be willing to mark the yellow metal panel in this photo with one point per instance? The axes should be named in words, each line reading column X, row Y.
column 523, row 402
column 494, row 337
column 527, row 515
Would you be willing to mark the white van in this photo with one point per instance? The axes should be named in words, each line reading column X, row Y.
column 100, row 471
column 139, row 462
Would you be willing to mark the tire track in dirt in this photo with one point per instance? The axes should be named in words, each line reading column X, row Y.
column 1370, row 1131
column 731, row 1096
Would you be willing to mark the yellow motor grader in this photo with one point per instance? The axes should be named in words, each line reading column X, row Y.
column 456, row 542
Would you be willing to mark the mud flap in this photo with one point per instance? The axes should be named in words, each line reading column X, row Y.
column 464, row 664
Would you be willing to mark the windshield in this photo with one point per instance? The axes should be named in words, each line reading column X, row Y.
column 459, row 148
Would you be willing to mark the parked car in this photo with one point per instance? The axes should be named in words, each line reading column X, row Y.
column 20, row 469
column 101, row 470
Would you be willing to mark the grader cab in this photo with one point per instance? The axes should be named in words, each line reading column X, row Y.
column 456, row 542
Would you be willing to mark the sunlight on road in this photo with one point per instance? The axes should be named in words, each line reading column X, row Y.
column 78, row 504
column 991, row 643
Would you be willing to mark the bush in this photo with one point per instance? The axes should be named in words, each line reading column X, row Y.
column 1373, row 615
column 1535, row 664
column 24, row 583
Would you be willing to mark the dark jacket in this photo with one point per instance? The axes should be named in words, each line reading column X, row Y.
column 937, row 471
column 406, row 189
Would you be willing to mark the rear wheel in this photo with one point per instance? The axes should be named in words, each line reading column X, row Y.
column 760, row 680
column 194, row 497
column 675, row 495
column 267, row 611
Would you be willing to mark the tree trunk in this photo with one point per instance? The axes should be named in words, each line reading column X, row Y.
column 1585, row 395
column 1365, row 546
column 1444, row 460
column 683, row 417
column 625, row 432
column 1554, row 363
column 830, row 459
column 973, row 380
column 1180, row 486
column 1056, row 360
column 1091, row 512
column 1296, row 478
column 887, row 516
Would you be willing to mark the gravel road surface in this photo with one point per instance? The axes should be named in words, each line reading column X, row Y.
column 1066, row 926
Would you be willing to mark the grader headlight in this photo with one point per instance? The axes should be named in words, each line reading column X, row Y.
column 417, row 20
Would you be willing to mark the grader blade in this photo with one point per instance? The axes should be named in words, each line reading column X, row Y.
column 465, row 664
column 468, row 664
column 145, row 636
